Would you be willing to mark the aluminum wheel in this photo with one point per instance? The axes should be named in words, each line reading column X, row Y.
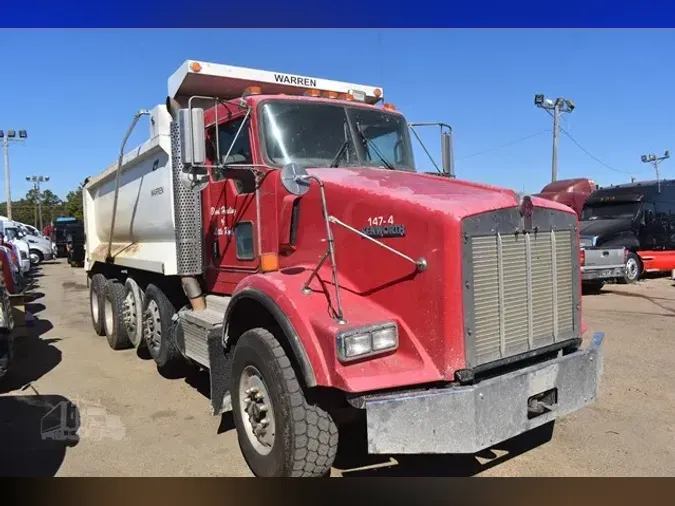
column 255, row 405
column 34, row 258
column 130, row 313
column 632, row 269
column 153, row 327
column 108, row 314
column 95, row 310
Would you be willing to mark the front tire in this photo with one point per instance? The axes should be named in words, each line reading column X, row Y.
column 36, row 257
column 633, row 268
column 96, row 303
column 280, row 434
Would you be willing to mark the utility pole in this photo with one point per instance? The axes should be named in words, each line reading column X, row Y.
column 655, row 160
column 6, row 139
column 555, row 109
column 36, row 180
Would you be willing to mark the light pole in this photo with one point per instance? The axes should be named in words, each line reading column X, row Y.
column 655, row 160
column 6, row 139
column 36, row 180
column 559, row 106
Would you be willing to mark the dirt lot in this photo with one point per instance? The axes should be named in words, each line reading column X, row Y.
column 140, row 424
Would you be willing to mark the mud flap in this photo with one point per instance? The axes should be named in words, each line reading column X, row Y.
column 220, row 373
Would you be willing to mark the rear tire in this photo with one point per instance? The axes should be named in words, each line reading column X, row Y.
column 633, row 268
column 158, row 329
column 293, row 438
column 115, row 330
column 96, row 303
column 592, row 287
column 133, row 312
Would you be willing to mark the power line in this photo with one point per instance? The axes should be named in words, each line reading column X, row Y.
column 590, row 154
column 516, row 141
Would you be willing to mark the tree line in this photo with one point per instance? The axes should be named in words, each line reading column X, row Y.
column 25, row 210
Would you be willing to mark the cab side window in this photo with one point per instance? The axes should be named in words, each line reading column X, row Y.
column 239, row 154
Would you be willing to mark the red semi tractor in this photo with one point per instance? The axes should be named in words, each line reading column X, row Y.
column 274, row 231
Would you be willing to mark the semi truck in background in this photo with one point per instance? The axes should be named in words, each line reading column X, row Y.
column 598, row 264
column 639, row 217
column 273, row 230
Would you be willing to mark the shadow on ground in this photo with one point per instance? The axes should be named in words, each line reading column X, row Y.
column 354, row 461
column 34, row 356
column 35, row 431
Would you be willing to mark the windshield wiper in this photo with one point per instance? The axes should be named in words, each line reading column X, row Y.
column 369, row 143
column 338, row 156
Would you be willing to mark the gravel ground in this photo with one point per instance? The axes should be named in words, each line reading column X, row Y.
column 141, row 424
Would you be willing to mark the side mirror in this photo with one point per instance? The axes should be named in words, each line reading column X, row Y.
column 446, row 154
column 192, row 137
column 295, row 179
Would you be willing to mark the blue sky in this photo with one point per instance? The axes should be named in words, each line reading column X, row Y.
column 76, row 91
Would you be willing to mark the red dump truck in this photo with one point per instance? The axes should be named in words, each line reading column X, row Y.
column 274, row 231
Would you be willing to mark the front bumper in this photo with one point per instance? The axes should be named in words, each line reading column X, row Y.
column 600, row 272
column 468, row 419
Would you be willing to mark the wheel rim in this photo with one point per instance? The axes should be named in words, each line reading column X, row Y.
column 34, row 258
column 153, row 327
column 631, row 268
column 130, row 314
column 108, row 316
column 256, row 410
column 94, row 306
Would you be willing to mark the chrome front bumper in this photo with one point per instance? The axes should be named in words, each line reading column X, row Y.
column 468, row 419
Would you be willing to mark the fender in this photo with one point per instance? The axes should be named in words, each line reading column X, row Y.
column 311, row 334
column 260, row 295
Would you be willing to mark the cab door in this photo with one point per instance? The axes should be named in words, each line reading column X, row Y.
column 229, row 210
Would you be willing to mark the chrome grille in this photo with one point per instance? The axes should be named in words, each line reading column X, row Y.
column 520, row 287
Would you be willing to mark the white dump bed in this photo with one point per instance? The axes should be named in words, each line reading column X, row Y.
column 144, row 235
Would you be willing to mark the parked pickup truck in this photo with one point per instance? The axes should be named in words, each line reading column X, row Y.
column 599, row 265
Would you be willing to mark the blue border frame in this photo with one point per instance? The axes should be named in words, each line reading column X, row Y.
column 365, row 14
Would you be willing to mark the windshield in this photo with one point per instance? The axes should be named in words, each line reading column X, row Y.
column 11, row 233
column 325, row 135
column 613, row 211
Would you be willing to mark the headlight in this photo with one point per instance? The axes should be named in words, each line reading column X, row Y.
column 362, row 342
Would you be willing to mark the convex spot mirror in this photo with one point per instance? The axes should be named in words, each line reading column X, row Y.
column 295, row 179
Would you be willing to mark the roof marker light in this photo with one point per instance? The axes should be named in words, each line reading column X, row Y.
column 195, row 66
column 253, row 90
column 389, row 107
column 347, row 96
column 330, row 94
column 313, row 93
column 378, row 92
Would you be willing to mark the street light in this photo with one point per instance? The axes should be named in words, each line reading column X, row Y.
column 6, row 139
column 558, row 106
column 655, row 160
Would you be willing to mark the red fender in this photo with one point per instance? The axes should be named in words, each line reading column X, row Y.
column 316, row 334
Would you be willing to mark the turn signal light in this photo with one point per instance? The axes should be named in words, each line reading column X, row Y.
column 582, row 257
column 269, row 262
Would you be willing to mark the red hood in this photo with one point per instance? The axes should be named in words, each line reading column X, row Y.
column 455, row 198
